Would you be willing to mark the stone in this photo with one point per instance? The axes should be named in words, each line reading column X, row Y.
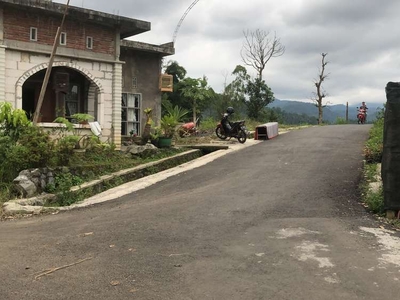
column 375, row 186
column 42, row 184
column 25, row 173
column 25, row 186
column 50, row 180
column 137, row 149
column 36, row 181
column 36, row 173
column 390, row 214
column 12, row 208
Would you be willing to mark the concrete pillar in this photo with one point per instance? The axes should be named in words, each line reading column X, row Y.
column 3, row 74
column 116, row 111
column 2, row 60
column 100, row 109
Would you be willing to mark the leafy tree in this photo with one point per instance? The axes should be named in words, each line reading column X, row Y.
column 259, row 48
column 236, row 90
column 320, row 94
column 273, row 115
column 260, row 95
column 178, row 72
column 197, row 92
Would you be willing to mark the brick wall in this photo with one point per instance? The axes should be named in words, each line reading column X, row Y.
column 17, row 24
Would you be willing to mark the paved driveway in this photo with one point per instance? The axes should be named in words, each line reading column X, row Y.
column 277, row 220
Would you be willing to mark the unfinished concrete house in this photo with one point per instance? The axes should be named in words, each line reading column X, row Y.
column 96, row 71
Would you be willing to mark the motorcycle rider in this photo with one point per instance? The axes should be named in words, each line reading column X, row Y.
column 225, row 122
column 363, row 109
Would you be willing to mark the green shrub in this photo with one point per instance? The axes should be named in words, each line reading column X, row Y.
column 340, row 121
column 12, row 121
column 33, row 149
column 375, row 201
column 61, row 187
column 208, row 124
column 65, row 149
column 374, row 145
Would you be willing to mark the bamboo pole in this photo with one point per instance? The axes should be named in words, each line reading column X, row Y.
column 48, row 71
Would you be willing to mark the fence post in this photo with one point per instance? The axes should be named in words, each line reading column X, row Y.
column 391, row 149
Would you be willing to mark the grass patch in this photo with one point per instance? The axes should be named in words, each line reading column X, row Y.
column 87, row 166
column 372, row 196
column 374, row 145
column 66, row 196
column 374, row 201
column 90, row 165
column 370, row 172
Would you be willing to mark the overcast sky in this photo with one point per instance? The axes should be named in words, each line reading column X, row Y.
column 360, row 37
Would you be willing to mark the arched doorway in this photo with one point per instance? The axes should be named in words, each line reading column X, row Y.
column 68, row 92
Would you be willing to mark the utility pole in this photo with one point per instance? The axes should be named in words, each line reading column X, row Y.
column 48, row 71
column 347, row 112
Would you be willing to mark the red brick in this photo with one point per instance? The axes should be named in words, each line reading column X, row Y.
column 17, row 26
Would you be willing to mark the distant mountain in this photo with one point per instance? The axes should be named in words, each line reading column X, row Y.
column 331, row 112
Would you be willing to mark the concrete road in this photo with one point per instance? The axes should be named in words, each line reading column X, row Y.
column 277, row 220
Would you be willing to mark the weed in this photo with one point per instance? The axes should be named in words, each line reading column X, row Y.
column 62, row 186
column 374, row 145
column 341, row 121
column 374, row 200
column 370, row 172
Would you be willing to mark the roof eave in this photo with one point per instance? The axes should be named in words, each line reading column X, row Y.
column 164, row 49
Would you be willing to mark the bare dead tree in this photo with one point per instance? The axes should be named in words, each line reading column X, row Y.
column 319, row 96
column 258, row 48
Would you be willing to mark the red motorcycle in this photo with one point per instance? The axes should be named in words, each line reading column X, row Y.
column 361, row 116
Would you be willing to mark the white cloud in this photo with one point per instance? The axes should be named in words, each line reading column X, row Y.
column 359, row 37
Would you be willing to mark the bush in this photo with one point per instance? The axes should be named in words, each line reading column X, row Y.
column 12, row 121
column 340, row 121
column 208, row 124
column 375, row 201
column 62, row 185
column 374, row 146
column 65, row 149
column 33, row 149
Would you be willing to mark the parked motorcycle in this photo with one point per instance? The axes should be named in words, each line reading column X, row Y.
column 361, row 116
column 226, row 129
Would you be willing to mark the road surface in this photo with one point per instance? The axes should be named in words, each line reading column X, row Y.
column 277, row 220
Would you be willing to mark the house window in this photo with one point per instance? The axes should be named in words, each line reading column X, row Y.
column 131, row 104
column 134, row 82
column 63, row 38
column 33, row 34
column 72, row 101
column 89, row 42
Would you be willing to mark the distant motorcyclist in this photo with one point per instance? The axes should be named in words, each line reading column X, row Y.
column 363, row 109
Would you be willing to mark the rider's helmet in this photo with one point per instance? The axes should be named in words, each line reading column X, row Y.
column 230, row 110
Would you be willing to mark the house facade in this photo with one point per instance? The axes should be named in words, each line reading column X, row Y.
column 95, row 71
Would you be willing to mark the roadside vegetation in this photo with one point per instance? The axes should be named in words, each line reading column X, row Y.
column 24, row 146
column 371, row 187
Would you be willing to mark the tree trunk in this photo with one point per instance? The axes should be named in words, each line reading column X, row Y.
column 320, row 113
column 194, row 111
